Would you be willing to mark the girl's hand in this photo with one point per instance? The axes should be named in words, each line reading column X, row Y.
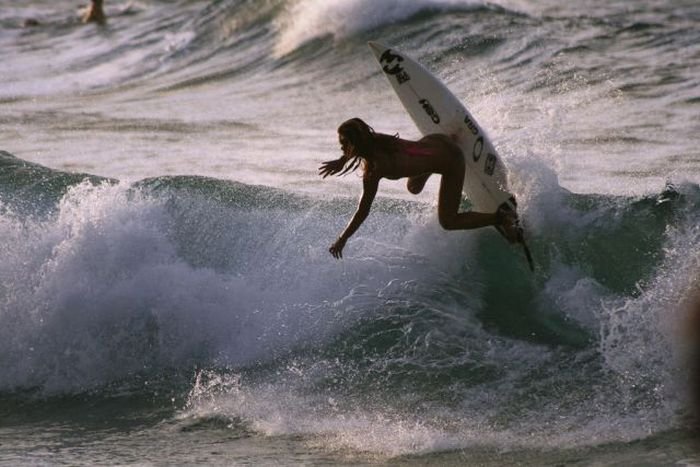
column 337, row 248
column 331, row 167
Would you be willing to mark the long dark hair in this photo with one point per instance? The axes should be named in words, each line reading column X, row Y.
column 365, row 142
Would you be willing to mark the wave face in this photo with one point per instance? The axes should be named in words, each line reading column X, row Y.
column 433, row 341
column 164, row 233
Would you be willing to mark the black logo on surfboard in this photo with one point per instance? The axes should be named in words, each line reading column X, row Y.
column 490, row 164
column 471, row 125
column 392, row 66
column 430, row 110
column 477, row 149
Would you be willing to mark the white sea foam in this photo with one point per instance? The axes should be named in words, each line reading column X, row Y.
column 118, row 282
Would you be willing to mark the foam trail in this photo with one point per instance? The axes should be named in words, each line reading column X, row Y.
column 636, row 392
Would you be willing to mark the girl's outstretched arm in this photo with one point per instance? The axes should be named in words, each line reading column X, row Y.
column 369, row 191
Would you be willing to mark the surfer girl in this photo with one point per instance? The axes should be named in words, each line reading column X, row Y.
column 94, row 13
column 386, row 156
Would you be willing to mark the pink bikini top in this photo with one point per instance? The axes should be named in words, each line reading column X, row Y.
column 414, row 150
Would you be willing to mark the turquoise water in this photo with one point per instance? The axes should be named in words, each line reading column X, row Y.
column 166, row 295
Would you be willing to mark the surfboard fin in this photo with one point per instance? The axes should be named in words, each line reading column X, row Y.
column 528, row 255
column 509, row 206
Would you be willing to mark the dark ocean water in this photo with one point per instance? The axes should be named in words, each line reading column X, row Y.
column 166, row 294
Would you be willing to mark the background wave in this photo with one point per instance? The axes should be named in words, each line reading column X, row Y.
column 206, row 87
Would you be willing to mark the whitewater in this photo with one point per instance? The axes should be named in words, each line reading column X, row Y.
column 166, row 292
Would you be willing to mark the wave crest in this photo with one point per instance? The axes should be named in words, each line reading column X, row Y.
column 306, row 20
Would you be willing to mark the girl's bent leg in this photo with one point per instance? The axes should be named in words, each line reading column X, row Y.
column 448, row 206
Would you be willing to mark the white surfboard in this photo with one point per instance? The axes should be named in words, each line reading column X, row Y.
column 434, row 109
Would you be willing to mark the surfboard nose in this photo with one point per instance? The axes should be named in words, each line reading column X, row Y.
column 376, row 48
